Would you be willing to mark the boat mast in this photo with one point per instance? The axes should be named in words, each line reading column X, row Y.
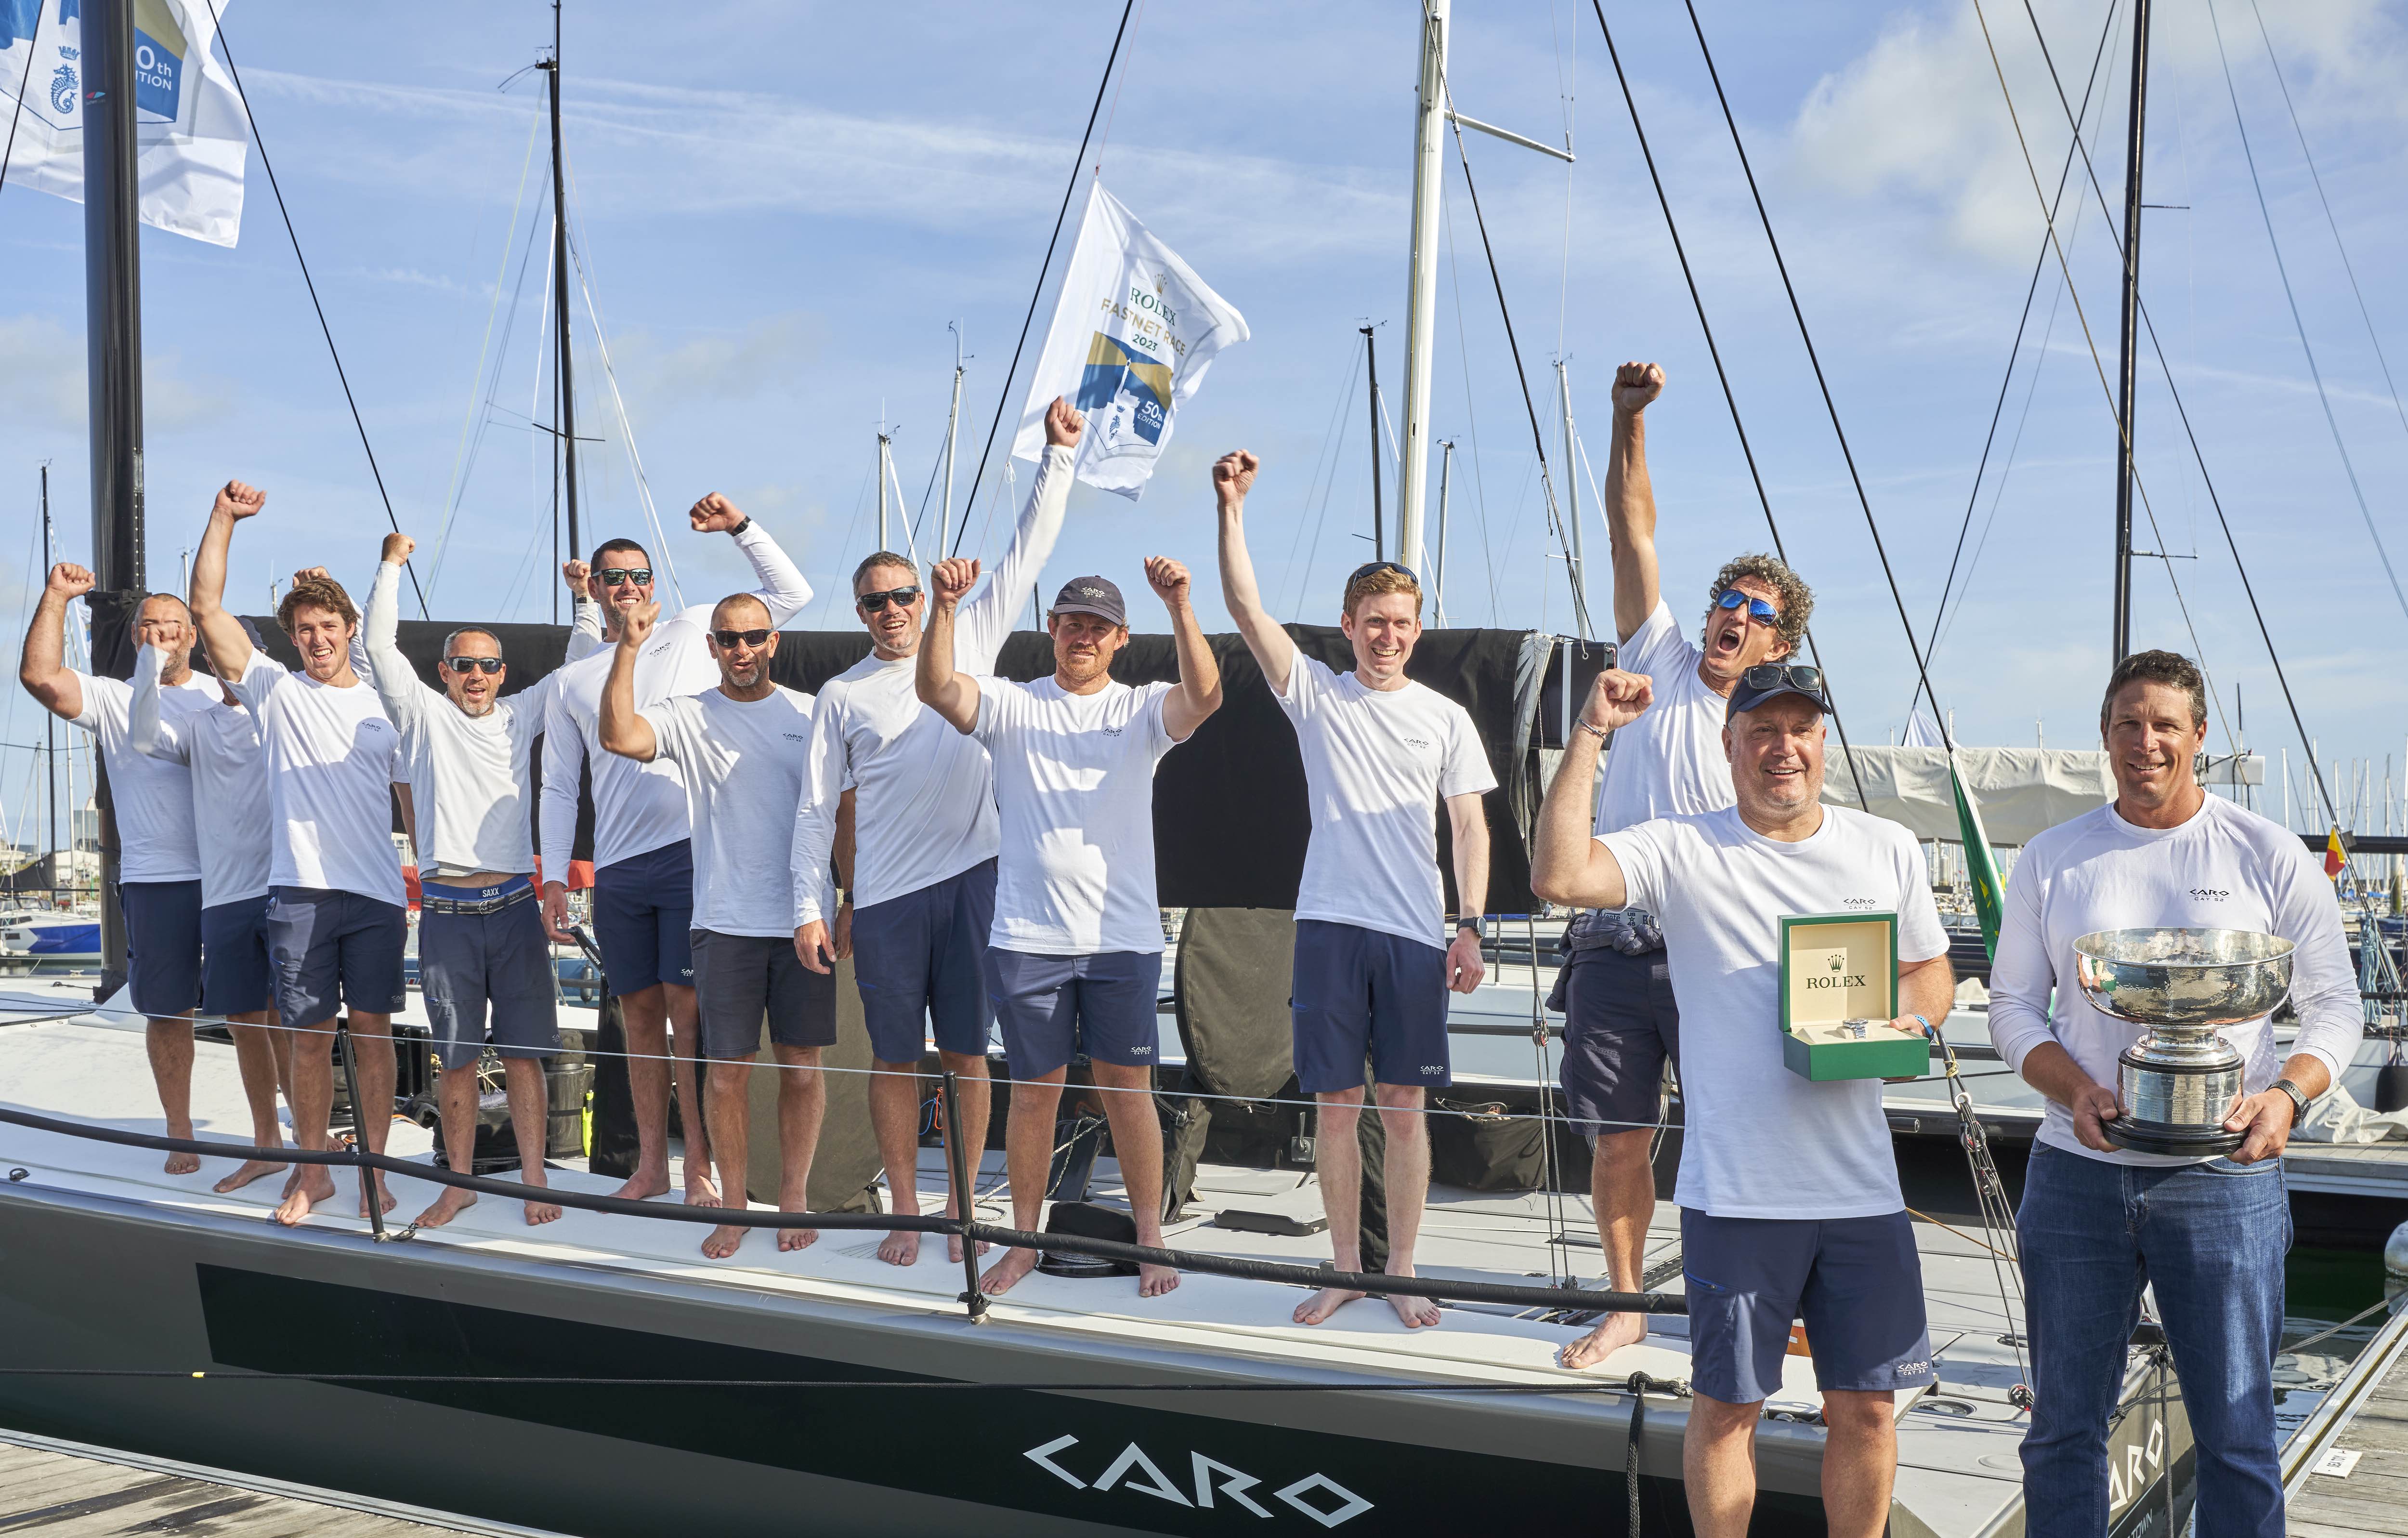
column 2135, row 137
column 564, row 378
column 1572, row 486
column 884, row 440
column 953, row 430
column 1421, row 283
column 50, row 719
column 1445, row 474
column 1371, row 366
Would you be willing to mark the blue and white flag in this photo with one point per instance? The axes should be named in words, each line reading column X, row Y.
column 190, row 135
column 1133, row 332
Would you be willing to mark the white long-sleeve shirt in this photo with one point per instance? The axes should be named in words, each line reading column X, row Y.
column 638, row 808
column 467, row 774
column 218, row 745
column 923, row 794
column 2227, row 868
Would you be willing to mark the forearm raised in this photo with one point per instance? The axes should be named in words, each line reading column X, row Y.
column 944, row 689
column 1559, row 863
column 43, row 660
column 221, row 632
column 623, row 730
column 1272, row 649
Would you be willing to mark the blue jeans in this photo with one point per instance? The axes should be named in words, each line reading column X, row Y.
column 2211, row 1238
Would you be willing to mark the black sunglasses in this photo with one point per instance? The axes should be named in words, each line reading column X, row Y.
column 473, row 664
column 750, row 638
column 1370, row 567
column 615, row 576
column 876, row 602
column 1776, row 675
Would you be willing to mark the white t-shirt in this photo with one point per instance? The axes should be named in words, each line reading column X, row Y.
column 2226, row 867
column 638, row 808
column 153, row 796
column 1760, row 1140
column 332, row 759
column 743, row 763
column 1074, row 782
column 924, row 798
column 218, row 743
column 1669, row 762
column 1377, row 765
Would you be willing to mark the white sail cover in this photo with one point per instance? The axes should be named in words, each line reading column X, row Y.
column 1133, row 332
column 189, row 128
column 2020, row 791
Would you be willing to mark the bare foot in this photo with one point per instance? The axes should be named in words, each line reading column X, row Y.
column 183, row 1164
column 1014, row 1265
column 1612, row 1332
column 1321, row 1304
column 903, row 1249
column 451, row 1204
column 540, row 1212
column 796, row 1238
column 1153, row 1281
column 383, row 1196
column 723, row 1240
column 311, row 1185
column 1417, row 1313
column 252, row 1170
column 953, row 1248
column 701, row 1190
column 643, row 1186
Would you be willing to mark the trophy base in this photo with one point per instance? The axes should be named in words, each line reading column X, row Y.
column 2155, row 1137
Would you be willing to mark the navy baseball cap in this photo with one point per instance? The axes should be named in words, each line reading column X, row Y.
column 1091, row 596
column 1771, row 681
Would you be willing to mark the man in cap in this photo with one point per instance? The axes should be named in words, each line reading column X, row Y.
column 920, row 876
column 1074, row 962
column 1788, row 1189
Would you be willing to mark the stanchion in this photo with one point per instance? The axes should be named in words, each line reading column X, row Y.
column 359, row 1126
column 956, row 1163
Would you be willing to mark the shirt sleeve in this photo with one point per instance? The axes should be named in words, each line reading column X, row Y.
column 261, row 677
column 984, row 623
column 1308, row 683
column 1465, row 770
column 395, row 681
column 2023, row 973
column 1641, row 850
column 1001, row 706
column 107, row 703
column 1921, row 935
column 676, row 723
column 1157, row 730
column 563, row 764
column 147, row 730
column 2324, row 984
column 585, row 633
column 1658, row 648
column 827, row 774
column 783, row 591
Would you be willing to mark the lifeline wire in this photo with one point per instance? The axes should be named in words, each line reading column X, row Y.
column 1605, row 1387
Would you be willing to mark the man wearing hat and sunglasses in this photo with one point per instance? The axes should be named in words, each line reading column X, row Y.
column 1621, row 1023
column 1789, row 1191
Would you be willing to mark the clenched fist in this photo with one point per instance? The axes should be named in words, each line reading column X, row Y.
column 714, row 515
column 398, row 547
column 1062, row 425
column 1233, row 476
column 1168, row 580
column 1635, row 384
column 951, row 578
column 70, row 580
column 574, row 573
column 1617, row 699
column 238, row 500
column 636, row 625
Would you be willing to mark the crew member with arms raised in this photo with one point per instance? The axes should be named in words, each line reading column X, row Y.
column 2099, row 1221
column 1621, row 1021
column 159, row 872
column 643, row 860
column 741, row 747
column 1372, row 963
column 337, row 915
column 1074, row 961
column 922, row 871
column 1788, row 1188
column 481, row 949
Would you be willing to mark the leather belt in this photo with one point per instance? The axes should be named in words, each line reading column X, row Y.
column 427, row 904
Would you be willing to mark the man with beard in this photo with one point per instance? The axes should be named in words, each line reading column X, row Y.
column 1074, row 961
column 480, row 941
column 741, row 747
column 921, row 875
column 643, row 859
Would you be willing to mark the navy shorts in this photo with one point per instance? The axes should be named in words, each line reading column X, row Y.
column 162, row 945
column 1856, row 1283
column 1620, row 1025
column 1357, row 990
column 235, row 976
column 335, row 948
column 1053, row 1007
column 643, row 908
column 740, row 978
column 920, row 958
column 473, row 967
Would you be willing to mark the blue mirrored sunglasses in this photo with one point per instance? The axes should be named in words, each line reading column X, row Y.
column 1758, row 611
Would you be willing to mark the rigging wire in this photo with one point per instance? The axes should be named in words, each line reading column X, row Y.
column 1471, row 414
column 1003, row 393
column 309, row 283
column 1291, row 593
column 2299, row 325
column 1729, row 399
column 17, row 107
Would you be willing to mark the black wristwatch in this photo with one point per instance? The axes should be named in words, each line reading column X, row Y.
column 740, row 527
column 2299, row 1098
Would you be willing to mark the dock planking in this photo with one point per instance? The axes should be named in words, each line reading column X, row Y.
column 46, row 1494
column 2373, row 1498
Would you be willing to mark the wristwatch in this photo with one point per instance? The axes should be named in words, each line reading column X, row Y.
column 740, row 527
column 1470, row 924
column 2299, row 1098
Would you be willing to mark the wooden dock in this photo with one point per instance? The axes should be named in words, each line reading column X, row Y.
column 57, row 1489
column 2346, row 1469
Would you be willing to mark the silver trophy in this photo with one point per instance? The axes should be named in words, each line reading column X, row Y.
column 2178, row 1082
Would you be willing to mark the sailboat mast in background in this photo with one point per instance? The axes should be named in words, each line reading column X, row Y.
column 2135, row 133
column 563, row 379
column 1421, row 284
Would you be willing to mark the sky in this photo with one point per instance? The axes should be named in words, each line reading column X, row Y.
column 780, row 208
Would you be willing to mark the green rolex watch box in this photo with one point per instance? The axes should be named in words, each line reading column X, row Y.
column 1839, row 992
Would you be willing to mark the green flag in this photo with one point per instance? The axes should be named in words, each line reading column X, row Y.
column 1982, row 866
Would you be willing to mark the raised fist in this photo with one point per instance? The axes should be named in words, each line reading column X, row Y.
column 714, row 515
column 636, row 625
column 1618, row 700
column 1233, row 476
column 951, row 578
column 70, row 580
column 1635, row 384
column 575, row 573
column 311, row 574
column 1168, row 578
column 238, row 500
column 398, row 547
column 1062, row 425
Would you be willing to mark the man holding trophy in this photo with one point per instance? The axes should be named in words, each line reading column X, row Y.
column 2151, row 923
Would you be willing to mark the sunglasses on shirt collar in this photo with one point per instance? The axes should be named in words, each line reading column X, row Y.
column 615, row 576
column 1758, row 610
column 729, row 637
column 877, row 602
column 473, row 664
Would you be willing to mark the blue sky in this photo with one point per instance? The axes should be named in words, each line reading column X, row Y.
column 782, row 206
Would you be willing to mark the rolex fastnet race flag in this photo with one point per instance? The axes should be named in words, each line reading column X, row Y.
column 188, row 120
column 1133, row 332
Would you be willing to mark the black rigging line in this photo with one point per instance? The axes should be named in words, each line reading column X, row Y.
column 310, row 284
column 17, row 108
column 1003, row 395
column 1730, row 400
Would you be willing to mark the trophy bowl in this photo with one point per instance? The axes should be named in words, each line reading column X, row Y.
column 2178, row 1081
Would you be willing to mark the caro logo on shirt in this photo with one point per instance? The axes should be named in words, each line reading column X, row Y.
column 2210, row 894
column 1418, row 742
column 1860, row 902
column 796, row 736
column 1113, row 731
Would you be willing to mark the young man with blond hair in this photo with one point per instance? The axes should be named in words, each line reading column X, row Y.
column 1373, row 963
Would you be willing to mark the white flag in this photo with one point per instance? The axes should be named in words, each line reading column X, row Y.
column 188, row 120
column 1133, row 333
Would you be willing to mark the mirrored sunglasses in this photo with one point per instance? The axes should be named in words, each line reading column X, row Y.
column 877, row 602
column 618, row 576
column 1758, row 611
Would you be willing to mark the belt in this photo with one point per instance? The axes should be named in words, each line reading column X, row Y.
column 427, row 904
